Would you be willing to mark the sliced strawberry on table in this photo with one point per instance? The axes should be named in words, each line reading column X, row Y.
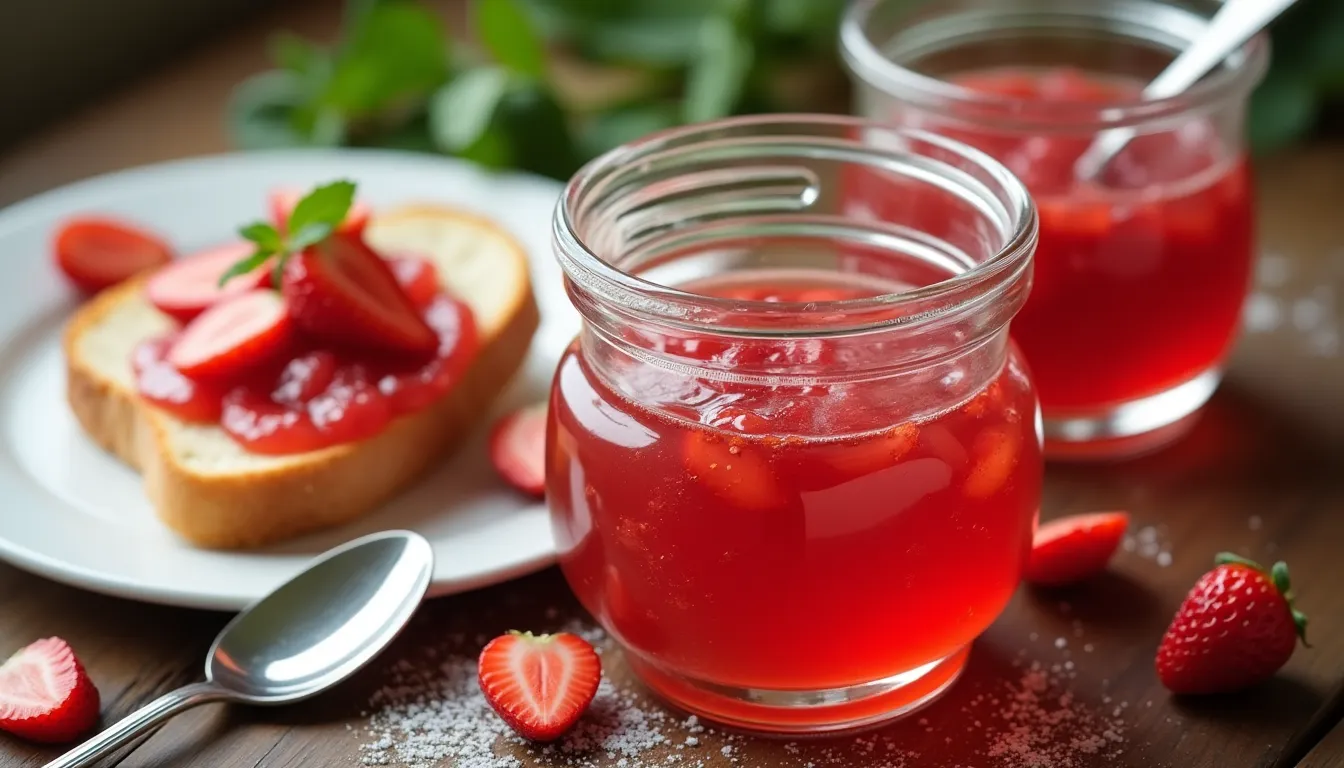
column 1236, row 627
column 1076, row 547
column 283, row 199
column 97, row 252
column 233, row 336
column 539, row 684
column 188, row 286
column 342, row 292
column 45, row 694
column 417, row 276
column 518, row 449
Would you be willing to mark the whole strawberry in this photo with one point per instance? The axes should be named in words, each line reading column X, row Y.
column 1236, row 628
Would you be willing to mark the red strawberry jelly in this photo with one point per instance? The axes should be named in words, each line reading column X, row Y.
column 319, row 397
column 893, row 547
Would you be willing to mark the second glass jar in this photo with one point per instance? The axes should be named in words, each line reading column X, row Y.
column 794, row 460
column 1143, row 268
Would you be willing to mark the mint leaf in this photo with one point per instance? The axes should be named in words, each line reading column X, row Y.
column 311, row 234
column 313, row 220
column 396, row 51
column 463, row 110
column 264, row 235
column 328, row 204
column 507, row 31
column 719, row 76
column 244, row 266
column 261, row 111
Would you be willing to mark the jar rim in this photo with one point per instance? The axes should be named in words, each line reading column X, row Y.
column 1238, row 76
column 677, row 307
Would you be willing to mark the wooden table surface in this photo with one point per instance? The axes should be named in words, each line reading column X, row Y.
column 1062, row 679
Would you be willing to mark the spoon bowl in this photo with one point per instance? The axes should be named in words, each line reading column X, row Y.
column 324, row 624
column 311, row 633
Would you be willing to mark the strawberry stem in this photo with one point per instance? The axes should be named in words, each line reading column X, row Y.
column 1229, row 558
column 1279, row 573
column 1300, row 619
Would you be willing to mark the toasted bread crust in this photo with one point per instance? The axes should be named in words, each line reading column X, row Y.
column 313, row 491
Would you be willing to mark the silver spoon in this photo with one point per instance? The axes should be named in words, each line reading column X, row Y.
column 1235, row 23
column 305, row 637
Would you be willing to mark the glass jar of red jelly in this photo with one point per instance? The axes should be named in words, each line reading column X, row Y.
column 1144, row 262
column 794, row 461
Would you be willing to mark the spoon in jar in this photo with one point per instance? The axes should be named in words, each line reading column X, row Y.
column 1235, row 23
column 305, row 637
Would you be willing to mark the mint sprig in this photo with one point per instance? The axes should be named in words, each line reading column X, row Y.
column 313, row 219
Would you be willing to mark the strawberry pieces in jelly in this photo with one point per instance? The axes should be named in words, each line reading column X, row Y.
column 995, row 454
column 166, row 387
column 871, row 453
column 324, row 398
column 734, row 467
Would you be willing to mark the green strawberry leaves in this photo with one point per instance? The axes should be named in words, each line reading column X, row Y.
column 312, row 220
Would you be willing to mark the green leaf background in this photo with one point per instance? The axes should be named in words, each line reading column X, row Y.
column 495, row 93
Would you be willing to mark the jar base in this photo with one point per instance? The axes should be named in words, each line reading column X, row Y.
column 1131, row 429
column 802, row 713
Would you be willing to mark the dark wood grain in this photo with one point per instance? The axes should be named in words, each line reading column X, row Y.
column 1329, row 753
column 1260, row 475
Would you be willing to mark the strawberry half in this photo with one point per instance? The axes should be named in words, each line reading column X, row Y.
column 96, row 252
column 518, row 449
column 45, row 695
column 283, row 199
column 539, row 684
column 188, row 286
column 1235, row 628
column 233, row 336
column 342, row 292
column 1075, row 547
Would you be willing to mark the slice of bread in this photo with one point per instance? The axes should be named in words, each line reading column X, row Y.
column 215, row 494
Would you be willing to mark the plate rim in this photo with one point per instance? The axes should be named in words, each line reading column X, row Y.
column 14, row 216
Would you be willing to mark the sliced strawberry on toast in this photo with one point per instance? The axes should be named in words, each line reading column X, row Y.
column 344, row 293
column 234, row 336
column 190, row 285
column 212, row 492
column 45, row 694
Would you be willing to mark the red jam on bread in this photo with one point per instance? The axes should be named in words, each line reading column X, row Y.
column 350, row 340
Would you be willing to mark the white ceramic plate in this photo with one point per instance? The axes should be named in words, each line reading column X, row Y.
column 73, row 513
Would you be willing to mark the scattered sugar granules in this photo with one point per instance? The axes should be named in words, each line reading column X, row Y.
column 1312, row 316
column 1043, row 727
column 431, row 714
column 1147, row 542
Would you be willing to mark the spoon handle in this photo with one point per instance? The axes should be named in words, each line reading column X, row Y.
column 139, row 721
column 1235, row 23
